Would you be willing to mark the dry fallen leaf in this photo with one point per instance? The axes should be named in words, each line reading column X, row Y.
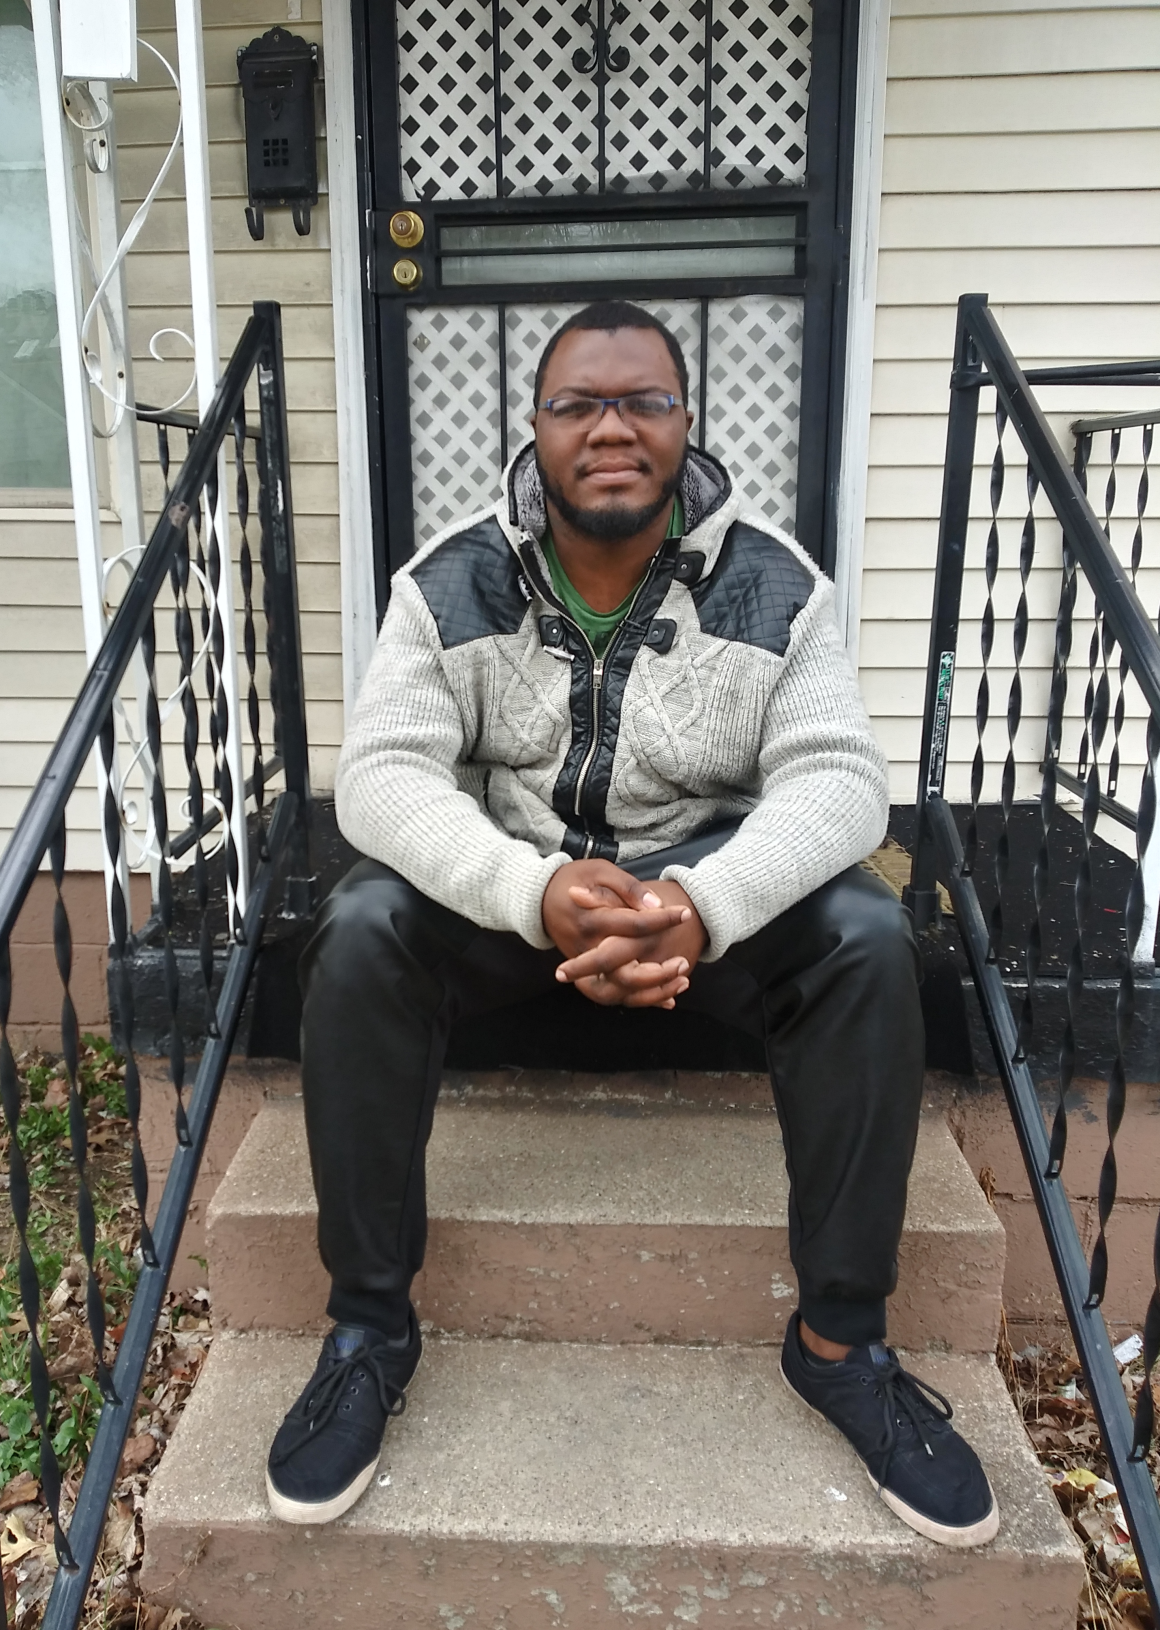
column 19, row 1490
column 138, row 1452
column 14, row 1542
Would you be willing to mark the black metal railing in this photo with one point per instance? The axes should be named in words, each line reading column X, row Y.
column 183, row 570
column 1095, row 746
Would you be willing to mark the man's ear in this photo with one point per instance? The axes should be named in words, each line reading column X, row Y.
column 688, row 419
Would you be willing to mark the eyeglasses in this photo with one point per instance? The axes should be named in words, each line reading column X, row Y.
column 638, row 407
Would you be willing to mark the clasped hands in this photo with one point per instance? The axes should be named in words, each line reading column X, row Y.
column 625, row 943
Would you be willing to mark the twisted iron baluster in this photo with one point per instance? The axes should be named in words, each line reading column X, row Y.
column 1145, row 826
column 220, row 712
column 1014, row 719
column 200, row 867
column 986, row 644
column 163, row 459
column 164, row 909
column 268, row 608
column 183, row 636
column 1047, row 799
column 20, row 1195
column 1019, row 626
column 1113, row 777
column 1125, row 1012
column 246, row 564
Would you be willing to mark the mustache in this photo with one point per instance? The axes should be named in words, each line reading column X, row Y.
column 618, row 522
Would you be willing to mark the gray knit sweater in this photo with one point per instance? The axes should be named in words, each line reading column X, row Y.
column 488, row 746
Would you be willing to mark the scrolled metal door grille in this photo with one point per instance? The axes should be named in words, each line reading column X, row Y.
column 1113, row 746
column 526, row 98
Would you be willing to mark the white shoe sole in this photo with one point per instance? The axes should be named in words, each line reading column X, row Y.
column 321, row 1511
column 307, row 1512
column 959, row 1539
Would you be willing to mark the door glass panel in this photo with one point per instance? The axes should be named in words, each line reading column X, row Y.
column 33, row 449
column 460, row 428
column 618, row 251
column 639, row 126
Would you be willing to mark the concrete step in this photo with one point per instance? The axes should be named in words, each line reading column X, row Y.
column 645, row 1216
column 536, row 1485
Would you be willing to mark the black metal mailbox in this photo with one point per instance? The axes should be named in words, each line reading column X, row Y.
column 278, row 72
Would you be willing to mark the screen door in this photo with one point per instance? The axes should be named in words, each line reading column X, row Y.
column 524, row 158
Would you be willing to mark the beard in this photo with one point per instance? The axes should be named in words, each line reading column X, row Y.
column 616, row 523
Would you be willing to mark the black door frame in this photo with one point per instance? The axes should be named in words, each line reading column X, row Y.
column 825, row 200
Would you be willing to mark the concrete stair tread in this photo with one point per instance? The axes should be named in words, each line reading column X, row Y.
column 597, row 1164
column 550, row 1460
column 601, row 1219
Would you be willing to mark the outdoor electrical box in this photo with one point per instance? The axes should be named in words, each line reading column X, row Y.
column 98, row 39
column 278, row 74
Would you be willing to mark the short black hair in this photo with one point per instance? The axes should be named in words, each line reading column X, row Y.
column 610, row 315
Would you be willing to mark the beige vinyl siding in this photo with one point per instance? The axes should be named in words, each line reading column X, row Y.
column 1021, row 159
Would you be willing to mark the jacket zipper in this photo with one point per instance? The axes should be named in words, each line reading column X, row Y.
column 597, row 678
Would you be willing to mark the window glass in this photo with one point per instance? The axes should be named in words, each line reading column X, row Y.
column 618, row 251
column 33, row 449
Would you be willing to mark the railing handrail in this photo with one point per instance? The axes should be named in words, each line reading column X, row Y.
column 1119, row 602
column 21, row 858
column 979, row 343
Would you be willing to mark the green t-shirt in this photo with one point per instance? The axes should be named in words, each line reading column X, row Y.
column 598, row 626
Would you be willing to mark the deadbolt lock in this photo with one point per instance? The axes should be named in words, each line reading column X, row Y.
column 406, row 274
column 406, row 228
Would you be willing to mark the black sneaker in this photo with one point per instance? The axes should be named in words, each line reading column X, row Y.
column 326, row 1450
column 924, row 1471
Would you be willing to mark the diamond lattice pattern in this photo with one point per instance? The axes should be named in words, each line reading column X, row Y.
column 753, row 377
column 754, row 398
column 446, row 98
column 453, row 376
column 655, row 107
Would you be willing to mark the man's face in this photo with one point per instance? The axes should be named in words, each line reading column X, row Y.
column 611, row 477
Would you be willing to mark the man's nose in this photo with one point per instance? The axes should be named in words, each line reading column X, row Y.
column 610, row 427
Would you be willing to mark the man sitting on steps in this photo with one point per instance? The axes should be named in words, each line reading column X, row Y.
column 610, row 737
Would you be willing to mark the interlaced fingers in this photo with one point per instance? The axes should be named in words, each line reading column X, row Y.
column 904, row 1394
column 324, row 1397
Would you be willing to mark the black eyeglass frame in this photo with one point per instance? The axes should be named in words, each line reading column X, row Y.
column 605, row 402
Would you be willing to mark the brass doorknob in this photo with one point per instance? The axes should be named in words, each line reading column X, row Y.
column 406, row 274
column 406, row 228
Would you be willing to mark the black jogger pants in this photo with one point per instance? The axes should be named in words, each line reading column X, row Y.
column 831, row 988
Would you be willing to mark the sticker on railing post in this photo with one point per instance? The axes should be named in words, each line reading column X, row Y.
column 942, row 720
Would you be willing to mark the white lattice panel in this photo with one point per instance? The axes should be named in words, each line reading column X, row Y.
column 761, row 74
column 453, row 378
column 529, row 329
column 754, row 396
column 656, row 107
column 548, row 110
column 446, row 98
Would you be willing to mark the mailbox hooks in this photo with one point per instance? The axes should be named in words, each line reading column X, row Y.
column 277, row 73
